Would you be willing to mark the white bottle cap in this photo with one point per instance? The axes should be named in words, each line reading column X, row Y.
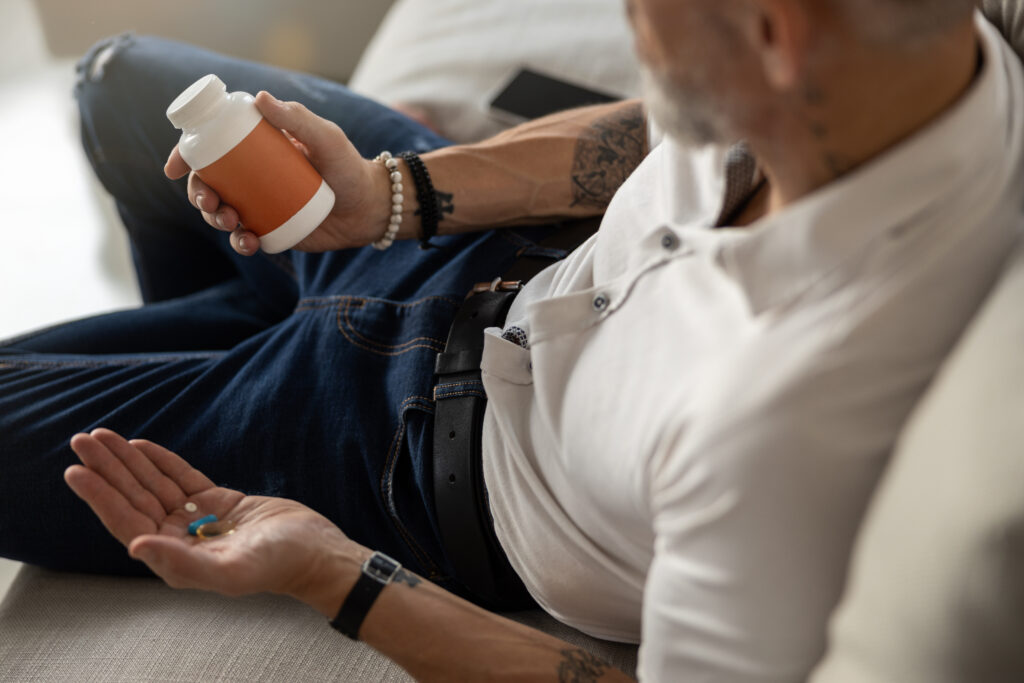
column 191, row 106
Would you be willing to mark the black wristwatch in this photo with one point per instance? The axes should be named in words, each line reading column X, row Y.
column 377, row 573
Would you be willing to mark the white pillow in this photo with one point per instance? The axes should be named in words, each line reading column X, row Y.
column 450, row 57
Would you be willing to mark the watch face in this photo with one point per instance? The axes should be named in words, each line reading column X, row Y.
column 381, row 567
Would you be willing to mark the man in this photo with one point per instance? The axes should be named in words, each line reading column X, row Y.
column 686, row 415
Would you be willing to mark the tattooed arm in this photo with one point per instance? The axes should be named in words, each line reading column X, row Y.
column 567, row 165
column 436, row 636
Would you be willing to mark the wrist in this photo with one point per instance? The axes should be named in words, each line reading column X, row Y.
column 380, row 211
column 332, row 577
column 426, row 198
column 410, row 228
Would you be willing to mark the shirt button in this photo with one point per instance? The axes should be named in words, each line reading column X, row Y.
column 669, row 241
column 600, row 302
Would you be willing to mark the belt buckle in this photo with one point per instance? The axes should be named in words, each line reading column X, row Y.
column 496, row 285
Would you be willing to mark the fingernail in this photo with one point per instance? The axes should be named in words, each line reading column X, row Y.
column 199, row 199
column 220, row 221
column 243, row 245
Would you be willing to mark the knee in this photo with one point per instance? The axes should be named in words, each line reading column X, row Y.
column 138, row 67
column 91, row 69
column 116, row 71
column 123, row 87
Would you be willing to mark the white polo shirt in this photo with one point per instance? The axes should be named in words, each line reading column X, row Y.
column 683, row 453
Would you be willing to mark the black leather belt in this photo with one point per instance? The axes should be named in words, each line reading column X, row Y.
column 460, row 498
column 467, row 531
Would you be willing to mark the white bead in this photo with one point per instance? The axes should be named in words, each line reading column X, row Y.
column 191, row 507
column 397, row 200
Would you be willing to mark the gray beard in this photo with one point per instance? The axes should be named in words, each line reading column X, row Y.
column 685, row 115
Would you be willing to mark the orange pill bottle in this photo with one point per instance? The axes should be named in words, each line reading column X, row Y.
column 250, row 164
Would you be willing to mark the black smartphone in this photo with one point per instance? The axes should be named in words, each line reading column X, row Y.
column 530, row 95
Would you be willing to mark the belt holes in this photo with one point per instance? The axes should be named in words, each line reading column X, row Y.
column 451, row 434
column 451, row 478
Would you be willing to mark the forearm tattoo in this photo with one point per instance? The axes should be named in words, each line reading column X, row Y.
column 408, row 578
column 579, row 666
column 606, row 154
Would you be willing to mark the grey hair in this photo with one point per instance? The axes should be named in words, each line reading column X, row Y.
column 905, row 22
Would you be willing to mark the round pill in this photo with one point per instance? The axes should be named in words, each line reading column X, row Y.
column 191, row 507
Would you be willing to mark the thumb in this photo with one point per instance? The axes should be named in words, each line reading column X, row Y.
column 315, row 132
column 176, row 166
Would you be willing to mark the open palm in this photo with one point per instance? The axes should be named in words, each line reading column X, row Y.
column 139, row 490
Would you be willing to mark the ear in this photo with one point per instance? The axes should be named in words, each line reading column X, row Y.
column 780, row 35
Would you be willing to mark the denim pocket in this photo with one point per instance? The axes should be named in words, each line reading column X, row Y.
column 390, row 328
column 406, row 487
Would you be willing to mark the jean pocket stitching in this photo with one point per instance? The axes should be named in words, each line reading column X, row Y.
column 365, row 339
column 387, row 486
column 354, row 337
column 335, row 299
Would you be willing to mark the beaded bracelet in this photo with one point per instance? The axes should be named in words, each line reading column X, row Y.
column 397, row 200
column 430, row 214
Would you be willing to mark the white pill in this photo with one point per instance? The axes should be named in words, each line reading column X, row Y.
column 191, row 507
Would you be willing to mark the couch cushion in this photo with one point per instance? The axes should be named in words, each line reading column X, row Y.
column 936, row 592
column 450, row 57
column 73, row 627
column 1009, row 16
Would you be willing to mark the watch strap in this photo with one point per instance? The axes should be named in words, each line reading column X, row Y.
column 376, row 573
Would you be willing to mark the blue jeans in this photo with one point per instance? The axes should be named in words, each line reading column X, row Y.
column 307, row 376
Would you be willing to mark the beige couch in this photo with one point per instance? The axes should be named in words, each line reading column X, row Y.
column 936, row 592
column 74, row 628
